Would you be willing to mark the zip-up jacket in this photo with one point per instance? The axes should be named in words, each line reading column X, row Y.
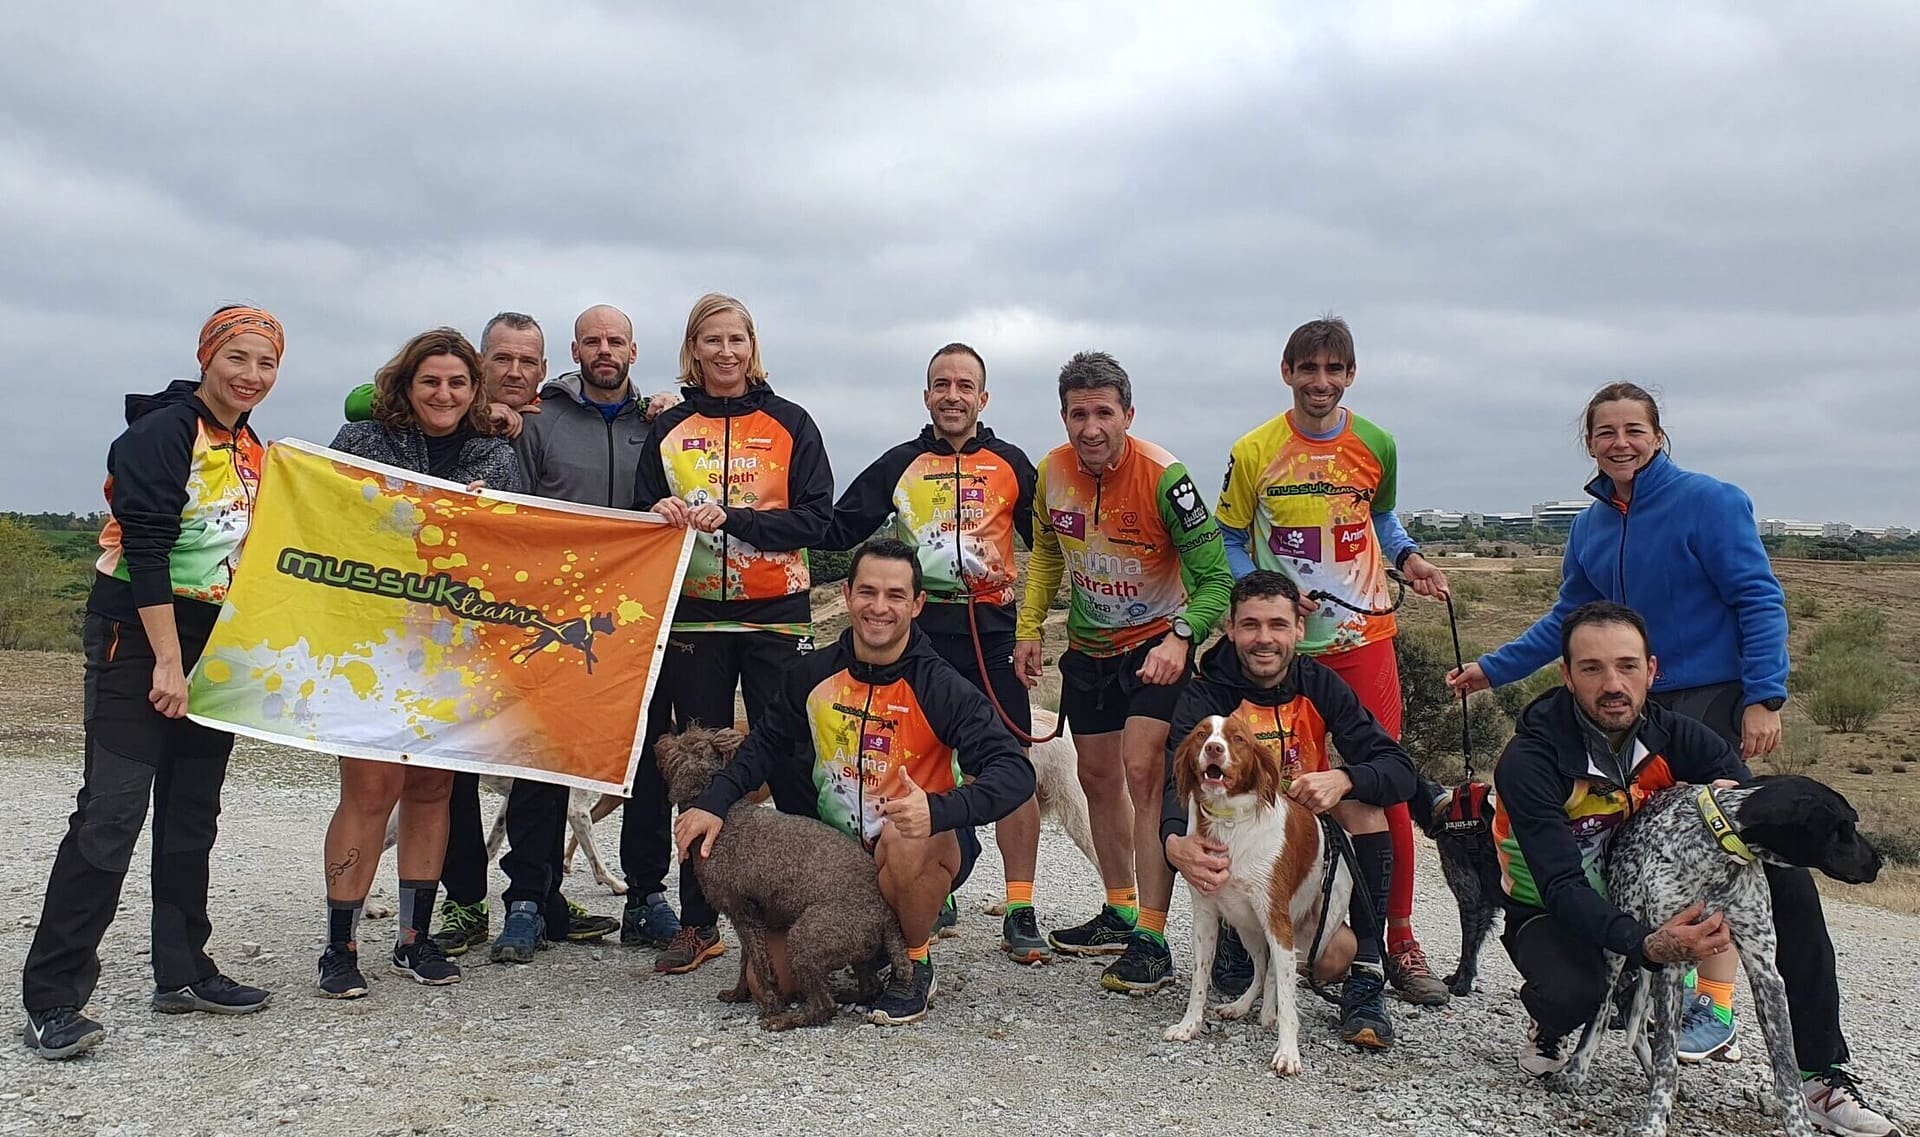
column 1294, row 718
column 1685, row 553
column 1560, row 794
column 572, row 453
column 843, row 736
column 482, row 458
column 1137, row 545
column 180, row 487
column 761, row 457
column 960, row 509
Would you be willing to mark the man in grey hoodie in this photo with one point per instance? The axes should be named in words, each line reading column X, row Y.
column 582, row 447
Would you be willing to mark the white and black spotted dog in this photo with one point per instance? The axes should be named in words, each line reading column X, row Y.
column 1670, row 856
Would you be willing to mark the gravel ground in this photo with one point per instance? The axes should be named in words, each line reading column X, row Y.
column 588, row 1039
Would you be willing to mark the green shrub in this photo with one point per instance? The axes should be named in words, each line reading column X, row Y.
column 1802, row 605
column 1801, row 746
column 1861, row 626
column 1430, row 715
column 1846, row 690
column 37, row 606
column 1468, row 587
column 1898, row 845
column 1514, row 697
column 827, row 567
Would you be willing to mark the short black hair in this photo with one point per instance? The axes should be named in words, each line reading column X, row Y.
column 887, row 549
column 1262, row 584
column 1092, row 370
column 957, row 348
column 1600, row 612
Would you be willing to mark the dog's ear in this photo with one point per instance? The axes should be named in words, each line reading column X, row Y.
column 1258, row 771
column 1185, row 777
column 1804, row 822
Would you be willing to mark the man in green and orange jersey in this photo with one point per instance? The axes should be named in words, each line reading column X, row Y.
column 1149, row 577
column 958, row 495
column 1311, row 493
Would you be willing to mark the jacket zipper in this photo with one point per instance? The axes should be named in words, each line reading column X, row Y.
column 860, row 771
column 959, row 528
column 610, row 457
column 1620, row 565
column 726, row 492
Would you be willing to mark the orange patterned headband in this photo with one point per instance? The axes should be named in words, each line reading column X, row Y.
column 222, row 326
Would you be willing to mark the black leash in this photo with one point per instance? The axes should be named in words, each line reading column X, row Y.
column 1335, row 848
column 1322, row 596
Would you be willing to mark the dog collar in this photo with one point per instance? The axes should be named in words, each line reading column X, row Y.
column 1722, row 829
column 1234, row 815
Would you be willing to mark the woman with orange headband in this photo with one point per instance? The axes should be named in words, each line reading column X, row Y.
column 180, row 485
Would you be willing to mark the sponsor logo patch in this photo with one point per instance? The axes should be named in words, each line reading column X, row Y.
column 1068, row 523
column 1188, row 509
column 1292, row 541
column 1349, row 541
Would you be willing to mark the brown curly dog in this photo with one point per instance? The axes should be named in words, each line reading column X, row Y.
column 775, row 872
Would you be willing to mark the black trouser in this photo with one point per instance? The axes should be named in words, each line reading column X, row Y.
column 697, row 679
column 133, row 754
column 1720, row 706
column 536, row 839
column 464, row 872
column 1564, row 976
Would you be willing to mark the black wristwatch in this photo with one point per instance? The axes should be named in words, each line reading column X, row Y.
column 1183, row 630
column 1774, row 704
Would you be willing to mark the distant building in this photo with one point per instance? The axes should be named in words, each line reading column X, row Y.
column 1510, row 524
column 1436, row 518
column 1776, row 527
column 1837, row 530
column 1898, row 533
column 1557, row 516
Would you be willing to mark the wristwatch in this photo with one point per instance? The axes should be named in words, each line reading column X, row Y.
column 1182, row 630
column 1773, row 704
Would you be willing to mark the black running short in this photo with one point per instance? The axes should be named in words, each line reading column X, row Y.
column 1098, row 694
column 1001, row 680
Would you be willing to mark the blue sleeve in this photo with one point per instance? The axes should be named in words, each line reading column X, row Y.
column 1737, row 564
column 1239, row 555
column 1540, row 644
column 1392, row 537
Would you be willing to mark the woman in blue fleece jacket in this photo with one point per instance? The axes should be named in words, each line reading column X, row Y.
column 1682, row 549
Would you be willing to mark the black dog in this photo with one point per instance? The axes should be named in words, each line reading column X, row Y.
column 1460, row 821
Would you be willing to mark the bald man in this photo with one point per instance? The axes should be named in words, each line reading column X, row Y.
column 582, row 446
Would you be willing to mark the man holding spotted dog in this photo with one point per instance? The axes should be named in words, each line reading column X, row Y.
column 1581, row 760
column 880, row 738
column 1292, row 703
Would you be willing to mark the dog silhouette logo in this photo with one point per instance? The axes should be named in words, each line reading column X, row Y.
column 577, row 633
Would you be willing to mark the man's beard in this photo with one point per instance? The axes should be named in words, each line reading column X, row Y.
column 619, row 380
column 1606, row 714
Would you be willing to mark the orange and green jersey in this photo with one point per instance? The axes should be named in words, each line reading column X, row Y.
column 1136, row 544
column 844, row 736
column 1293, row 730
column 761, row 457
column 1308, row 505
column 180, row 487
column 960, row 510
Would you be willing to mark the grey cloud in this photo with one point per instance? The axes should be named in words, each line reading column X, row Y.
column 1512, row 204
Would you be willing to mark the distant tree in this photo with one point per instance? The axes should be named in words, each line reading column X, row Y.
column 36, row 609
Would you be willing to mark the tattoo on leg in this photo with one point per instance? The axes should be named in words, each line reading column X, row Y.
column 337, row 870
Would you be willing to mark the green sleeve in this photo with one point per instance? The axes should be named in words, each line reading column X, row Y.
column 1381, row 443
column 1046, row 568
column 360, row 403
column 1203, row 553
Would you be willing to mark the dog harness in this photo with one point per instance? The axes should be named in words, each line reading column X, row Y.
column 1722, row 829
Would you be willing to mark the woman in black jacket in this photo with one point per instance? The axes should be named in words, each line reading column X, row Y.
column 180, row 485
column 427, row 417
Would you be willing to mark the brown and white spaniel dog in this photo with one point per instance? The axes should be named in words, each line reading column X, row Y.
column 1233, row 788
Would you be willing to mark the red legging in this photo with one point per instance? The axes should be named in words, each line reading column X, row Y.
column 1375, row 677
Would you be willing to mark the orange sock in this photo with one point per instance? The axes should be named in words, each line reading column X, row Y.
column 1722, row 995
column 1153, row 922
column 1019, row 894
column 921, row 954
column 1125, row 901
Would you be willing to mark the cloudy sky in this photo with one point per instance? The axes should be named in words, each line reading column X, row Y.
column 1512, row 203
